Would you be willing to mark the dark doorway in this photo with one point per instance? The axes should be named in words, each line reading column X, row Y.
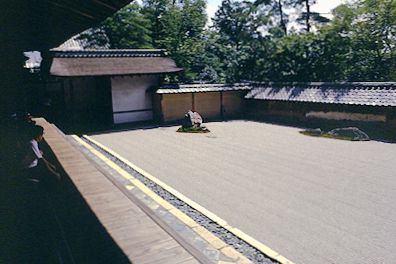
column 104, row 105
column 87, row 104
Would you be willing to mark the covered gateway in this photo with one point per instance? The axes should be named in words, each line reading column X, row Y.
column 109, row 86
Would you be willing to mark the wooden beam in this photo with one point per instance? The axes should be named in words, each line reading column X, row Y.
column 73, row 10
column 113, row 8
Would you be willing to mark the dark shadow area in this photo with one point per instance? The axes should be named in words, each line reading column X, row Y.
column 27, row 229
column 47, row 221
column 92, row 129
column 87, row 239
column 95, row 129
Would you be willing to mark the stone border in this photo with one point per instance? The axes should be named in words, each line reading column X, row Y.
column 248, row 246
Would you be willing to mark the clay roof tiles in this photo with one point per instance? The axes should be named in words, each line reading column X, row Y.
column 201, row 88
column 371, row 94
column 71, row 63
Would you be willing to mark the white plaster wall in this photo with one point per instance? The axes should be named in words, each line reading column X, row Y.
column 347, row 116
column 129, row 94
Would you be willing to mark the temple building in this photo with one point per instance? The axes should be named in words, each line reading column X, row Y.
column 106, row 86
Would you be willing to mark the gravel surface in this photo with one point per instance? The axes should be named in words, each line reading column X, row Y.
column 250, row 252
column 313, row 200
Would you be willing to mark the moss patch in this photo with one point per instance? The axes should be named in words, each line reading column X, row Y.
column 193, row 130
column 324, row 135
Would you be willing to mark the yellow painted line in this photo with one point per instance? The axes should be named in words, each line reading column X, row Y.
column 104, row 158
column 184, row 218
column 176, row 212
column 177, row 194
column 216, row 242
column 125, row 174
column 202, row 232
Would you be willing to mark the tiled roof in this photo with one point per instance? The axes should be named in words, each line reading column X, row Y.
column 78, row 43
column 111, row 62
column 201, row 88
column 108, row 53
column 372, row 94
column 71, row 44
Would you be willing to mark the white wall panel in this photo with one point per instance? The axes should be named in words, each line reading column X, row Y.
column 131, row 102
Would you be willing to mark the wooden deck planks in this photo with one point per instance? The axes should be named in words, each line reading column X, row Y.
column 140, row 238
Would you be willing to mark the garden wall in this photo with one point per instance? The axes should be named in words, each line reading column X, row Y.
column 305, row 111
column 210, row 105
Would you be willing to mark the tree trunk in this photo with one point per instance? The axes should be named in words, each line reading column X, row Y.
column 282, row 20
column 308, row 15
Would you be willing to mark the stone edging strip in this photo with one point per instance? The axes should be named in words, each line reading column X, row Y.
column 211, row 239
column 204, row 233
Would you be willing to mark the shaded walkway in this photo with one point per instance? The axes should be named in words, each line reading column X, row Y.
column 49, row 222
column 84, row 218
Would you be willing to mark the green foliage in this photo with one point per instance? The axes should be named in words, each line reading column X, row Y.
column 366, row 35
column 178, row 27
column 373, row 38
column 357, row 45
column 155, row 11
column 254, row 41
column 128, row 28
column 238, row 26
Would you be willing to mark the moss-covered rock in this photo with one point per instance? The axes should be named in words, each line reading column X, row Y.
column 192, row 129
column 348, row 133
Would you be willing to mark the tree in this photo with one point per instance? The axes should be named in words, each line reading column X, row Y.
column 374, row 39
column 357, row 45
column 154, row 11
column 251, row 41
column 275, row 10
column 367, row 30
column 308, row 17
column 238, row 27
column 127, row 28
column 178, row 27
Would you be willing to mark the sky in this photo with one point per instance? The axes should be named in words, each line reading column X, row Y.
column 322, row 6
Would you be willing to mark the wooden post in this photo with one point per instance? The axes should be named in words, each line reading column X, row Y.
column 63, row 111
column 192, row 102
column 72, row 107
column 221, row 105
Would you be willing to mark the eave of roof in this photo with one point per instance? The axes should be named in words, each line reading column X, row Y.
column 346, row 93
column 111, row 62
column 367, row 93
column 40, row 25
column 202, row 88
column 107, row 53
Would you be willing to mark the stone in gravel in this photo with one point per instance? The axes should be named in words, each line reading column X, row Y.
column 353, row 133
